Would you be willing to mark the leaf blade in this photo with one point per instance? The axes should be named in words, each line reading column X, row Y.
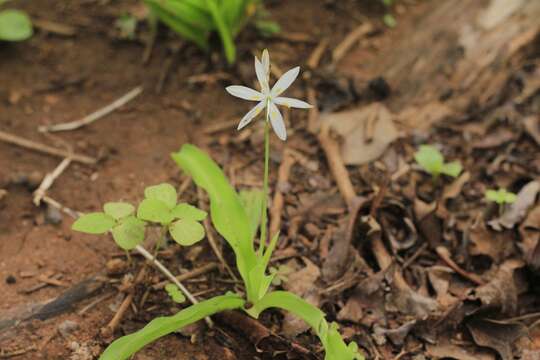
column 94, row 223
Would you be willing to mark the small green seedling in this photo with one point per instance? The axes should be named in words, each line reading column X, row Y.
column 174, row 292
column 196, row 20
column 15, row 25
column 501, row 197
column 238, row 219
column 432, row 161
column 126, row 25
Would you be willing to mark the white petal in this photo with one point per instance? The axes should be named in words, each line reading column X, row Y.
column 265, row 60
column 285, row 81
column 277, row 122
column 292, row 103
column 251, row 114
column 262, row 76
column 244, row 92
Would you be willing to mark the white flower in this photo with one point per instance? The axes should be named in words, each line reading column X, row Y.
column 268, row 98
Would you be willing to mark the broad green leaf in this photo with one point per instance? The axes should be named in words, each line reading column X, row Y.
column 187, row 211
column 15, row 25
column 430, row 159
column 118, row 210
column 252, row 200
column 452, row 169
column 228, row 214
column 186, row 232
column 129, row 233
column 224, row 31
column 186, row 30
column 186, row 12
column 333, row 343
column 126, row 346
column 155, row 211
column 175, row 293
column 166, row 193
column 94, row 223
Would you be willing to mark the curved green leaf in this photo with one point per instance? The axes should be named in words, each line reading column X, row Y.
column 15, row 25
column 228, row 214
column 335, row 347
column 94, row 223
column 174, row 292
column 186, row 232
column 118, row 210
column 129, row 233
column 126, row 346
column 224, row 31
column 430, row 159
column 187, row 211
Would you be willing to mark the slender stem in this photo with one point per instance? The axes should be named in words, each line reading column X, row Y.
column 264, row 220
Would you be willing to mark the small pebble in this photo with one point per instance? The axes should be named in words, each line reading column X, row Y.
column 53, row 215
column 10, row 279
column 67, row 327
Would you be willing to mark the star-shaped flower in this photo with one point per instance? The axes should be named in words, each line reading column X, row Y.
column 268, row 98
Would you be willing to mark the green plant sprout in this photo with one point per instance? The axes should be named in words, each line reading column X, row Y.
column 501, row 196
column 237, row 218
column 15, row 25
column 195, row 20
column 432, row 161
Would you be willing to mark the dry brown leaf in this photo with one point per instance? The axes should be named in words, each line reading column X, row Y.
column 497, row 335
column 425, row 116
column 496, row 245
column 366, row 132
column 518, row 210
column 497, row 138
column 451, row 191
column 530, row 237
column 445, row 351
column 397, row 336
column 440, row 277
column 532, row 126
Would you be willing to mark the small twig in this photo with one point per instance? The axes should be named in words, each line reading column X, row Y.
column 313, row 114
column 350, row 39
column 95, row 115
column 32, row 145
column 49, row 179
column 287, row 163
column 315, row 57
column 4, row 355
column 188, row 275
column 54, row 27
column 94, row 303
column 444, row 254
column 415, row 256
column 337, row 167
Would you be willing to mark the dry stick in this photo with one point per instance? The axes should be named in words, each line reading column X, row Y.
column 277, row 204
column 315, row 57
column 49, row 179
column 444, row 254
column 212, row 239
column 108, row 330
column 188, row 275
column 313, row 114
column 348, row 42
column 32, row 145
column 140, row 249
column 95, row 115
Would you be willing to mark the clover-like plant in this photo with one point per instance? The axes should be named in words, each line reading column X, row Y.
column 15, row 25
column 432, row 161
column 238, row 218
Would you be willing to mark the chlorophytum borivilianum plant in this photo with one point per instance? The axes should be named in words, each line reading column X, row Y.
column 237, row 217
column 432, row 161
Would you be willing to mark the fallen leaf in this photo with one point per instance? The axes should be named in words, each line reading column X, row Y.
column 518, row 210
column 494, row 139
column 532, row 126
column 440, row 277
column 496, row 245
column 444, row 351
column 497, row 335
column 530, row 238
column 429, row 224
column 367, row 132
column 397, row 336
column 424, row 117
column 451, row 191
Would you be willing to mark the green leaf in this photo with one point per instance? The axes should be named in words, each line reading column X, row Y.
column 126, row 346
column 155, row 211
column 94, row 223
column 15, row 25
column 226, row 209
column 186, row 232
column 252, row 200
column 166, row 193
column 224, row 31
column 175, row 293
column 187, row 13
column 430, row 159
column 187, row 211
column 501, row 196
column 389, row 20
column 118, row 210
column 129, row 233
column 267, row 28
column 333, row 343
column 452, row 169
